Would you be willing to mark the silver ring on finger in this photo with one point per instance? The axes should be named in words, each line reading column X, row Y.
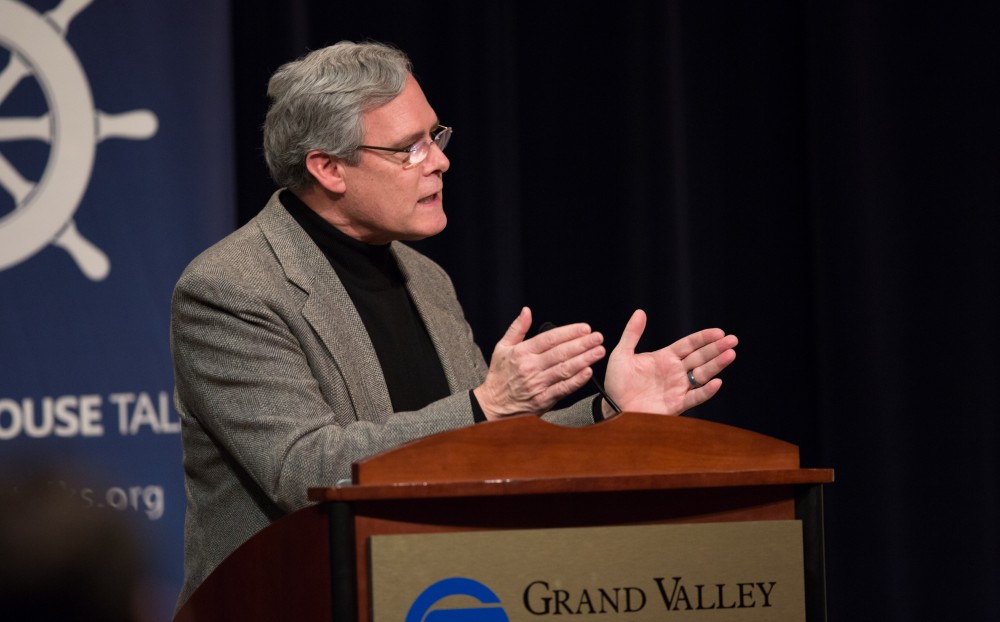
column 694, row 383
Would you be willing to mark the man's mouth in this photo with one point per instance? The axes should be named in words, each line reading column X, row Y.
column 429, row 198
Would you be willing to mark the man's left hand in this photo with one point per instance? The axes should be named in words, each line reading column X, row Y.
column 659, row 382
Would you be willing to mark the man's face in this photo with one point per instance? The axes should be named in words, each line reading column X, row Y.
column 385, row 199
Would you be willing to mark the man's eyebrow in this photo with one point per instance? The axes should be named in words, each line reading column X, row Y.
column 415, row 136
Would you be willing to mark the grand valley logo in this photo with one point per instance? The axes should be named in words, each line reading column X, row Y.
column 43, row 210
column 448, row 600
column 423, row 608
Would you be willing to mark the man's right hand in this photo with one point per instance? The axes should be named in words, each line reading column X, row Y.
column 530, row 376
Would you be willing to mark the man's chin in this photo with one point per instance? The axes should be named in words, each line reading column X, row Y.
column 422, row 233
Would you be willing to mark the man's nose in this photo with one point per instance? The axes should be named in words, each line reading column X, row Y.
column 437, row 160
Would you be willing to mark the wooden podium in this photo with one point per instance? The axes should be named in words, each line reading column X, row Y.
column 522, row 473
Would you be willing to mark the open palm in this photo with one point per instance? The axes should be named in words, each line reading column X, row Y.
column 657, row 382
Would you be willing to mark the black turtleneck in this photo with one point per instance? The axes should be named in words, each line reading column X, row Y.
column 410, row 364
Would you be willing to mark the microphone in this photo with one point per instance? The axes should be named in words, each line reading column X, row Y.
column 607, row 398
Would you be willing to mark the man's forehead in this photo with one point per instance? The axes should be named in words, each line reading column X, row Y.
column 406, row 116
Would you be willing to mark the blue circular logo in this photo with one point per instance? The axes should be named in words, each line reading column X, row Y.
column 421, row 611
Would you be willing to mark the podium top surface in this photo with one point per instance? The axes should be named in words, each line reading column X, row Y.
column 526, row 455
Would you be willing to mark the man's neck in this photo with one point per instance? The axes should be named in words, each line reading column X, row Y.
column 325, row 204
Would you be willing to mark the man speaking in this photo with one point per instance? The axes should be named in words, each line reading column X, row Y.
column 312, row 337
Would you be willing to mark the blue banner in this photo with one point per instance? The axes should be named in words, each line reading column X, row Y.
column 115, row 171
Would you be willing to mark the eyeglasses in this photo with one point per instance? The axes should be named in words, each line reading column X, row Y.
column 418, row 151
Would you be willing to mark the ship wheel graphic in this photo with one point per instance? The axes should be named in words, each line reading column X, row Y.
column 44, row 208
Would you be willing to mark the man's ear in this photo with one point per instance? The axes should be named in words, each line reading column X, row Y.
column 327, row 170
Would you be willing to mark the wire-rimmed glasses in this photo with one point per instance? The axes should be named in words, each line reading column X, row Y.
column 418, row 151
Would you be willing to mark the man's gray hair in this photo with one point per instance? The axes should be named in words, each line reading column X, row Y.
column 318, row 100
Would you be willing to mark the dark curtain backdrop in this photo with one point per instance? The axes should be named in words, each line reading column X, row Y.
column 819, row 178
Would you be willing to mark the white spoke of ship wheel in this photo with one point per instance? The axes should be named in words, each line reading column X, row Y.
column 26, row 128
column 12, row 181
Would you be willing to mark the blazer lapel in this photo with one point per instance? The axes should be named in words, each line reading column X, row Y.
column 445, row 330
column 329, row 311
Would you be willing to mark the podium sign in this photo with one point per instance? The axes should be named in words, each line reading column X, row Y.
column 746, row 571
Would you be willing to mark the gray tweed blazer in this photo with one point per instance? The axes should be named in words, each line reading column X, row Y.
column 278, row 386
